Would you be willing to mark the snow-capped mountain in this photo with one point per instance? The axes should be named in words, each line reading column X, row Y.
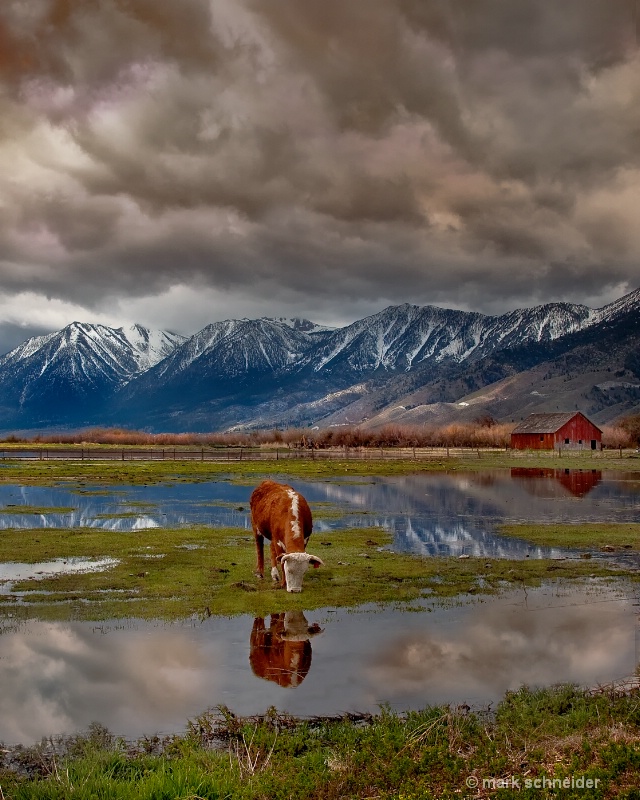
column 222, row 360
column 299, row 324
column 234, row 348
column 274, row 372
column 150, row 346
column 57, row 376
column 401, row 337
column 290, row 371
column 93, row 351
column 627, row 304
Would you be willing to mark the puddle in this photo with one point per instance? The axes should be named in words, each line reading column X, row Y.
column 11, row 572
column 142, row 678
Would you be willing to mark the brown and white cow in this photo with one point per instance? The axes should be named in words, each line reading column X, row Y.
column 282, row 652
column 283, row 516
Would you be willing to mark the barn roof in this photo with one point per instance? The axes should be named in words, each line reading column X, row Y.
column 547, row 423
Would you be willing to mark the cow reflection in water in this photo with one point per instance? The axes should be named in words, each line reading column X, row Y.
column 282, row 652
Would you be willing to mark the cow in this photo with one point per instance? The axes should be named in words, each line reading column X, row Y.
column 283, row 516
column 282, row 652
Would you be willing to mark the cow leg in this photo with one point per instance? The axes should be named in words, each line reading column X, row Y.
column 276, row 624
column 275, row 575
column 259, row 552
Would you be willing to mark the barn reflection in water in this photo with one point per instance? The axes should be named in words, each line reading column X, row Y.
column 548, row 482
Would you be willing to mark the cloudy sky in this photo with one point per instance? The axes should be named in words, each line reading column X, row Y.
column 177, row 163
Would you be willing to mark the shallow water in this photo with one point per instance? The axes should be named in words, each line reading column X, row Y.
column 140, row 678
column 451, row 513
column 14, row 571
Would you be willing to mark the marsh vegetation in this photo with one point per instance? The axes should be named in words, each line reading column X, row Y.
column 534, row 738
column 176, row 573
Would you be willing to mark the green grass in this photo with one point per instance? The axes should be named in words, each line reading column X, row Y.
column 178, row 572
column 141, row 472
column 438, row 752
column 583, row 535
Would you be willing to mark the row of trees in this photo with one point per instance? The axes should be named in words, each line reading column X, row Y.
column 631, row 426
column 483, row 432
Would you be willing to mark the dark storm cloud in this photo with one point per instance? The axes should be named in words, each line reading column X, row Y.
column 87, row 41
column 591, row 30
column 475, row 152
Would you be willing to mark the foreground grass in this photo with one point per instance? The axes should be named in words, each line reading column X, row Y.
column 538, row 743
column 583, row 535
column 177, row 573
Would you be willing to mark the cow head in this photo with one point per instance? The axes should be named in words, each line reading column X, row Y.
column 296, row 628
column 295, row 565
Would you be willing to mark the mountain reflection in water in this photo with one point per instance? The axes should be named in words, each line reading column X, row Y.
column 450, row 513
column 142, row 678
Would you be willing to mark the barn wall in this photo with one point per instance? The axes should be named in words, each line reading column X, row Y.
column 580, row 432
column 532, row 441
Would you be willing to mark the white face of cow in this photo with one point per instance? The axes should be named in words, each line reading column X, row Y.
column 295, row 565
column 297, row 629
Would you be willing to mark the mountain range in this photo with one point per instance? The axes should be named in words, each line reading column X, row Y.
column 406, row 364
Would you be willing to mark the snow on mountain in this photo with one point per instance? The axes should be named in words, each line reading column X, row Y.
column 298, row 324
column 150, row 346
column 537, row 324
column 280, row 369
column 229, row 351
column 623, row 305
column 238, row 346
column 68, row 376
column 91, row 352
column 400, row 337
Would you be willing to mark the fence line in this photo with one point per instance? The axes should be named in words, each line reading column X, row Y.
column 256, row 454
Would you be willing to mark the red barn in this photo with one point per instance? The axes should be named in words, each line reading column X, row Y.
column 562, row 431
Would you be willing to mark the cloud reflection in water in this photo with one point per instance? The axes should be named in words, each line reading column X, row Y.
column 493, row 648
column 142, row 678
column 60, row 677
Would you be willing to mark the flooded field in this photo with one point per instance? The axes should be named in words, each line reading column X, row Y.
column 428, row 514
column 142, row 677
column 139, row 677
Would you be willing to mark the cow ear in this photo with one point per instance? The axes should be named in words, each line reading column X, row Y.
column 316, row 562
